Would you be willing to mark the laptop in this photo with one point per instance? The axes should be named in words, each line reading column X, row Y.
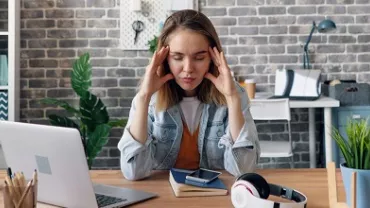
column 58, row 155
column 298, row 84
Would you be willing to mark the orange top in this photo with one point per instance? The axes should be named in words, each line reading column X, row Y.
column 188, row 157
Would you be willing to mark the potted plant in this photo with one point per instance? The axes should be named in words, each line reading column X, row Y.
column 91, row 117
column 356, row 151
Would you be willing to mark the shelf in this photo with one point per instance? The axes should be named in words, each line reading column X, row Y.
column 10, row 39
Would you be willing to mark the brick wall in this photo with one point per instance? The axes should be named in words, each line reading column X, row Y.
column 258, row 37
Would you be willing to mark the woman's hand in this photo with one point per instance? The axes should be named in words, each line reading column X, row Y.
column 152, row 81
column 224, row 82
column 226, row 85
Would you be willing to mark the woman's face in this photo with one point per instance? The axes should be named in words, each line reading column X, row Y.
column 188, row 59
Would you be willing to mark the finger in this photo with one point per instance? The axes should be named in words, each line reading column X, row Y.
column 151, row 67
column 223, row 59
column 154, row 57
column 157, row 55
column 217, row 53
column 163, row 54
column 158, row 72
column 213, row 57
column 167, row 77
column 211, row 77
column 223, row 62
column 155, row 63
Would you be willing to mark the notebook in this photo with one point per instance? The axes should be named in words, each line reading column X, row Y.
column 182, row 188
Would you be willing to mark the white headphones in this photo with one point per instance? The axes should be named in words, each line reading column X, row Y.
column 251, row 190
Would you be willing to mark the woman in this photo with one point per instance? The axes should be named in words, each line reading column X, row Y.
column 188, row 112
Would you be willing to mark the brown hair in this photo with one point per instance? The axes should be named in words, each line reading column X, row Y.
column 171, row 93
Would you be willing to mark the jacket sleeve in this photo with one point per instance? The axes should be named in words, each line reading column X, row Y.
column 242, row 155
column 136, row 159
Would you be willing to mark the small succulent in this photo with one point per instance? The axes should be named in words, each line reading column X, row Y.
column 153, row 44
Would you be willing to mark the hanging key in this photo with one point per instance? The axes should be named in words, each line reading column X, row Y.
column 137, row 26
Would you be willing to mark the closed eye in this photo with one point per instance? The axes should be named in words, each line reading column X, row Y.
column 199, row 58
column 177, row 57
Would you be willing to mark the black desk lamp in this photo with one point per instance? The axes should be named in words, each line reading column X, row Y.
column 324, row 26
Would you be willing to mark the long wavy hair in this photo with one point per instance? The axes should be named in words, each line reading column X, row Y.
column 171, row 93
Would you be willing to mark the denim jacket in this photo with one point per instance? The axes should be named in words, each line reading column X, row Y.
column 216, row 147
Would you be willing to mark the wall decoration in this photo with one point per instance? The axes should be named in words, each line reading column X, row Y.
column 141, row 20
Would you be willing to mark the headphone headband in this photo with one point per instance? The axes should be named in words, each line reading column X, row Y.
column 288, row 193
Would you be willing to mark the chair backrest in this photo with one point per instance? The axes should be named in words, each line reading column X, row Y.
column 270, row 109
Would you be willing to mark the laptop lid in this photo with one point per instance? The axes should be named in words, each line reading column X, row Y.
column 57, row 154
column 297, row 84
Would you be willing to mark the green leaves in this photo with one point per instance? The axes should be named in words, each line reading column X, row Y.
column 153, row 44
column 81, row 75
column 62, row 121
column 356, row 150
column 93, row 111
column 367, row 158
column 97, row 139
column 62, row 104
column 92, row 119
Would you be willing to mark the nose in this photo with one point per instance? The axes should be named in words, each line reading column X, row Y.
column 188, row 66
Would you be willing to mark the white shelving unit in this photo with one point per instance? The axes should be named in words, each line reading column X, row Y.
column 13, row 59
column 12, row 34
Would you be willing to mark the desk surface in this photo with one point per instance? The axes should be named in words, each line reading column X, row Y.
column 322, row 102
column 312, row 182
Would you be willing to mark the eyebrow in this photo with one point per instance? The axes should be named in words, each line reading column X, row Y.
column 197, row 53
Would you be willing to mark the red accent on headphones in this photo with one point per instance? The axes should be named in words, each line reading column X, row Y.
column 246, row 187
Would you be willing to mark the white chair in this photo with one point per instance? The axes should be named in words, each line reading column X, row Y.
column 274, row 109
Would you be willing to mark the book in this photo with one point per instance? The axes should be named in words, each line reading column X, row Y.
column 3, row 70
column 185, row 188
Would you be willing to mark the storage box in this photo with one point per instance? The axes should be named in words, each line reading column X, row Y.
column 349, row 93
column 3, row 105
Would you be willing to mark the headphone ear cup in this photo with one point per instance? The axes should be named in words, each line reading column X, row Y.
column 258, row 182
column 247, row 186
column 240, row 191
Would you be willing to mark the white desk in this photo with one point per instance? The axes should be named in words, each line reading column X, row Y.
column 323, row 102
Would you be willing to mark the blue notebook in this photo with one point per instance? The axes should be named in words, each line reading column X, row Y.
column 185, row 188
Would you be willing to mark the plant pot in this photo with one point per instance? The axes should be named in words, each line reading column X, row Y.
column 363, row 185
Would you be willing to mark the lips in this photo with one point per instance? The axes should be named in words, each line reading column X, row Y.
column 188, row 80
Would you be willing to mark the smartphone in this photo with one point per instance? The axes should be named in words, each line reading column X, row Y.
column 203, row 175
